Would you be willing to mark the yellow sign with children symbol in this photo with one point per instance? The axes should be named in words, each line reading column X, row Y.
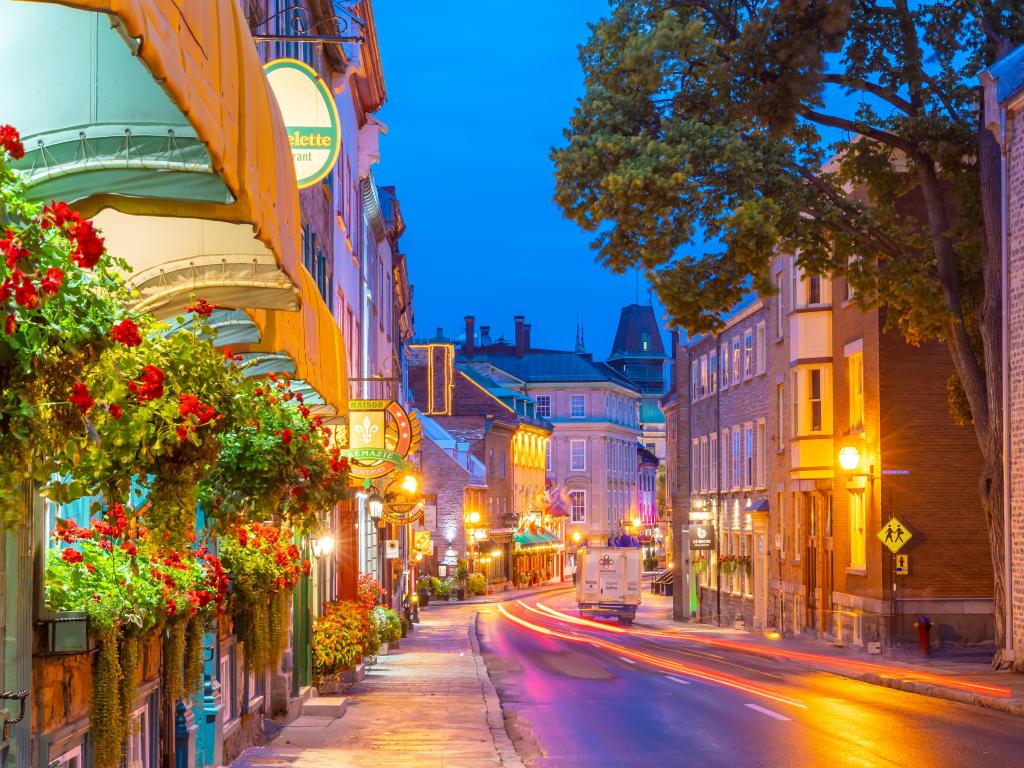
column 894, row 535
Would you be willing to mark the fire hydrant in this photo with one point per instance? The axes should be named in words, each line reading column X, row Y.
column 924, row 629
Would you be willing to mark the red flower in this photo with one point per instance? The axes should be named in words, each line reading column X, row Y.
column 52, row 282
column 88, row 244
column 127, row 333
column 129, row 547
column 182, row 433
column 306, row 567
column 10, row 325
column 150, row 385
column 90, row 568
column 60, row 213
column 26, row 294
column 171, row 608
column 115, row 411
column 10, row 140
column 286, row 436
column 243, row 537
column 12, row 249
column 190, row 405
column 80, row 396
column 202, row 307
column 71, row 555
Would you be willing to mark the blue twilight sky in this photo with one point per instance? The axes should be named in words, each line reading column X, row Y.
column 478, row 92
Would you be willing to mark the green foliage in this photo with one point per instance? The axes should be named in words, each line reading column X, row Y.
column 194, row 654
column 341, row 636
column 389, row 626
column 174, row 660
column 107, row 713
column 476, row 584
column 461, row 570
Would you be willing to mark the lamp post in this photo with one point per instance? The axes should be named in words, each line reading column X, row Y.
column 401, row 498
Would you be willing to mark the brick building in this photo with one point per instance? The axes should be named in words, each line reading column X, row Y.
column 1004, row 100
column 842, row 384
column 726, row 385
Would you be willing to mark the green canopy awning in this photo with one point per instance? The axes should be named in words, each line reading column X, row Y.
column 541, row 538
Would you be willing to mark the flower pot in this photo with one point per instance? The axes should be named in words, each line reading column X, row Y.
column 384, row 649
column 328, row 685
column 461, row 593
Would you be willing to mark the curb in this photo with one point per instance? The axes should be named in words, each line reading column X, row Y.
column 932, row 690
column 503, row 744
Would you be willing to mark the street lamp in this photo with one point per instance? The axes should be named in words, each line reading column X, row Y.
column 375, row 506
column 849, row 458
column 410, row 484
column 322, row 544
column 576, row 536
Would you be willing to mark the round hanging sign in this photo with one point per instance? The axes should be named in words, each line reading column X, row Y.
column 310, row 117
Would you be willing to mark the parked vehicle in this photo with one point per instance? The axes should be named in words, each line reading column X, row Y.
column 608, row 581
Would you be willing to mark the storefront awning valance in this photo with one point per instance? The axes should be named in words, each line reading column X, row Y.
column 159, row 111
column 539, row 539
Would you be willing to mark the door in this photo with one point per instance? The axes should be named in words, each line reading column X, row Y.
column 828, row 615
column 811, row 557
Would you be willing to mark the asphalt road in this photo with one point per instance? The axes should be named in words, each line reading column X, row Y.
column 576, row 695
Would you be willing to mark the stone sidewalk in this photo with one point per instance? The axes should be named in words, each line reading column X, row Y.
column 430, row 705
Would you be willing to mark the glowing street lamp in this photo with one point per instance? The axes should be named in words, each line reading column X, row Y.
column 576, row 536
column 375, row 506
column 849, row 458
column 322, row 544
column 410, row 484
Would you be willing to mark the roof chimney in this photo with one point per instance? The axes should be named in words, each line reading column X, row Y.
column 485, row 335
column 520, row 346
column 526, row 337
column 469, row 346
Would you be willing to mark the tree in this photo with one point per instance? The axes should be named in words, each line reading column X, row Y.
column 846, row 132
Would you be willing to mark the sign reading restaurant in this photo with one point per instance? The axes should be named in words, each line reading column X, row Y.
column 310, row 116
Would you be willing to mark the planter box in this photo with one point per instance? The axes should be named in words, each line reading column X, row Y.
column 329, row 685
column 352, row 676
column 383, row 650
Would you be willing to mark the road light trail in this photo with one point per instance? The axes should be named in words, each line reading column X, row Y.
column 762, row 650
column 699, row 673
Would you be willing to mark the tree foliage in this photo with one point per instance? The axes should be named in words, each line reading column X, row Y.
column 715, row 134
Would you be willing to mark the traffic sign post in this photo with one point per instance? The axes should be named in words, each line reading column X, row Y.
column 894, row 535
column 902, row 565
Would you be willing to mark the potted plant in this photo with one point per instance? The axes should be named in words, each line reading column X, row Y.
column 423, row 586
column 727, row 563
column 699, row 564
column 461, row 572
column 341, row 637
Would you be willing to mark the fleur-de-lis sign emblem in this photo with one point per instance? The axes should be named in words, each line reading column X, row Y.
column 366, row 431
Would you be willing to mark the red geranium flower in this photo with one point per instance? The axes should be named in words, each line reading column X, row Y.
column 286, row 436
column 26, row 294
column 10, row 325
column 115, row 411
column 126, row 332
column 10, row 140
column 71, row 555
column 201, row 307
column 12, row 249
column 80, row 396
column 88, row 244
column 150, row 385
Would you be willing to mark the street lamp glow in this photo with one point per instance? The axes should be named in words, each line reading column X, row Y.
column 636, row 522
column 576, row 537
column 419, row 556
column 474, row 517
column 496, row 553
column 410, row 484
column 375, row 506
column 849, row 458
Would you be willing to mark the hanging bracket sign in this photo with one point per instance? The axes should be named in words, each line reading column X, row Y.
column 310, row 117
column 381, row 435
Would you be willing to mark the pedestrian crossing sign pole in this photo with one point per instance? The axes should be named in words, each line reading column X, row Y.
column 894, row 535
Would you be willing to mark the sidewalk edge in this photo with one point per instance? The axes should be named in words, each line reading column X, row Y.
column 503, row 744
column 932, row 690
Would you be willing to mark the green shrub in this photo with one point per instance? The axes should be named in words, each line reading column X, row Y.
column 441, row 588
column 476, row 584
column 389, row 626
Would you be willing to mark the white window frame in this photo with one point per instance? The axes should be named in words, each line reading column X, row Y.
column 725, row 459
column 736, row 460
column 723, row 360
column 748, row 454
column 138, row 749
column 780, row 405
column 780, row 306
column 71, row 758
column 713, row 456
column 748, row 353
column 694, row 381
column 704, row 390
column 694, row 464
column 713, row 369
column 582, row 401
column 856, row 388
column 761, row 454
column 820, row 400
column 581, row 494
column 705, row 464
column 737, row 363
column 573, row 466
column 543, row 406
column 761, row 349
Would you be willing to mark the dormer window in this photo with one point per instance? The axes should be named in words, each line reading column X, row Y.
column 645, row 342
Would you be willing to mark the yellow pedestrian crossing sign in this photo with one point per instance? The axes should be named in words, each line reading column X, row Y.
column 894, row 535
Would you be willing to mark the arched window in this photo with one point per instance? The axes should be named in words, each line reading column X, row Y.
column 645, row 342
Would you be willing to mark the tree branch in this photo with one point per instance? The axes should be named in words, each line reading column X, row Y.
column 882, row 137
column 857, row 84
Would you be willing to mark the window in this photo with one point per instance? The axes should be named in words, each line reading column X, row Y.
column 70, row 759
column 814, row 398
column 748, row 354
column 139, row 754
column 812, row 286
column 725, row 364
column 762, row 350
column 705, row 464
column 703, row 375
column 855, row 366
column 737, row 458
column 780, row 408
column 713, row 454
column 694, row 464
column 713, row 370
column 725, row 459
column 851, row 289
column 858, row 529
column 736, row 360
column 578, row 506
column 649, row 447
column 501, row 464
column 780, row 308
column 695, row 380
column 543, row 406
column 760, row 456
column 578, row 455
column 547, row 456
column 798, row 525
column 490, row 462
column 645, row 342
column 227, row 687
column 748, row 455
column 577, row 406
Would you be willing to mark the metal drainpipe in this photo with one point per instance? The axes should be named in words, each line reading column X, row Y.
column 718, row 494
column 1004, row 275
